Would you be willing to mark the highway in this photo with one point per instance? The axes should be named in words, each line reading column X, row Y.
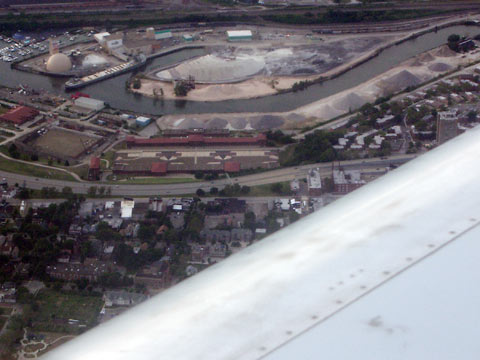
column 269, row 177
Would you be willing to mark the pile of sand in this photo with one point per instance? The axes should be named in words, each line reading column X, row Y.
column 398, row 82
column 440, row 67
column 238, row 123
column 349, row 102
column 445, row 51
column 190, row 123
column 415, row 62
column 266, row 122
column 425, row 57
column 213, row 69
column 216, row 123
column 295, row 117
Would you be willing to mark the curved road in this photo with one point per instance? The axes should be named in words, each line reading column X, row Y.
column 284, row 174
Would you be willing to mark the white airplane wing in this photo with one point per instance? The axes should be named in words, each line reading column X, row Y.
column 390, row 271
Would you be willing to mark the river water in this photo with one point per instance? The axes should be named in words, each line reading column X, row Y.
column 113, row 90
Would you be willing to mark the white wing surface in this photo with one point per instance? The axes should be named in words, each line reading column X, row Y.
column 390, row 271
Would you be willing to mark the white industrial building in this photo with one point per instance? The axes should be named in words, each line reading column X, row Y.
column 113, row 41
column 127, row 206
column 143, row 121
column 239, row 35
column 90, row 104
column 100, row 37
column 158, row 34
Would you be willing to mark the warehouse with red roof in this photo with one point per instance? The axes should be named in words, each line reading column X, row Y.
column 197, row 140
column 19, row 115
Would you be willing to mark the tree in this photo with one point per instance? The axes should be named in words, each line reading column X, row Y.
column 101, row 190
column 213, row 191
column 472, row 116
column 245, row 190
column 277, row 188
column 453, row 41
column 67, row 163
column 250, row 220
column 136, row 83
column 67, row 191
column 34, row 157
column 92, row 191
column 13, row 151
column 24, row 194
column 200, row 192
column 181, row 88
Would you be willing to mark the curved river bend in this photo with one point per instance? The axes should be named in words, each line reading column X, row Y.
column 113, row 90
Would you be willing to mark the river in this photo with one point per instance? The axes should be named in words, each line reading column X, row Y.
column 113, row 90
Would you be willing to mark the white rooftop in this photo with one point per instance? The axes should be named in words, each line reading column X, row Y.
column 239, row 33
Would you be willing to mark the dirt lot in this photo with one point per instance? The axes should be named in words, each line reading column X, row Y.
column 63, row 143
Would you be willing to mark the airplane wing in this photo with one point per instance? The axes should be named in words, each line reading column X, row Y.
column 390, row 271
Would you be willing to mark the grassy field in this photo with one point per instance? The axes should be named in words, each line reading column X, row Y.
column 32, row 170
column 56, row 308
column 155, row 180
column 266, row 190
column 3, row 320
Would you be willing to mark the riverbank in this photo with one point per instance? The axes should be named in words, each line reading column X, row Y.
column 260, row 86
column 325, row 60
column 410, row 73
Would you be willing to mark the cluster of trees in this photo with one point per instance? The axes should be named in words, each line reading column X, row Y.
column 94, row 191
column 234, row 190
column 339, row 16
column 453, row 41
column 136, row 83
column 207, row 176
column 181, row 88
column 278, row 137
column 13, row 151
column 316, row 147
column 301, row 85
column 280, row 189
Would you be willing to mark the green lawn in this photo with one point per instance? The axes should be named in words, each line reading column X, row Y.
column 266, row 190
column 155, row 180
column 3, row 320
column 32, row 170
column 56, row 308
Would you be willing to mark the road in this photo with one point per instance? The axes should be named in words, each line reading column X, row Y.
column 284, row 174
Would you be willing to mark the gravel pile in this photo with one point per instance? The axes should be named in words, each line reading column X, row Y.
column 440, row 67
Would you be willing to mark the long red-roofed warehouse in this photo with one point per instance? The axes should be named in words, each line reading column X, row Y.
column 19, row 115
column 197, row 140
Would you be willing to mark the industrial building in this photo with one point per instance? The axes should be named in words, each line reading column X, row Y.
column 197, row 140
column 158, row 34
column 94, row 169
column 314, row 181
column 239, row 35
column 89, row 103
column 346, row 181
column 158, row 162
column 447, row 126
column 19, row 115
column 142, row 121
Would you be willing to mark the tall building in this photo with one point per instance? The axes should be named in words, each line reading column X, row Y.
column 447, row 126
